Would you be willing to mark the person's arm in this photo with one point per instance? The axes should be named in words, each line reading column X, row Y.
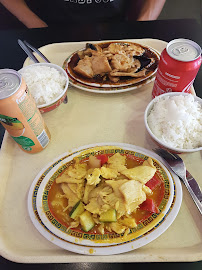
column 23, row 13
column 151, row 10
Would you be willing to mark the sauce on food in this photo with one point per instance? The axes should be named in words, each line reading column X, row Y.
column 58, row 202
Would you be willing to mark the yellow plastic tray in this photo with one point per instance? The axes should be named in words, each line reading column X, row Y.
column 89, row 118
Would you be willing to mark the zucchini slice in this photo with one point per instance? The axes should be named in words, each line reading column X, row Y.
column 87, row 222
column 77, row 210
column 108, row 216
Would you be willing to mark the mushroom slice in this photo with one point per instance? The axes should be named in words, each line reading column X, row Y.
column 141, row 73
column 94, row 47
column 113, row 79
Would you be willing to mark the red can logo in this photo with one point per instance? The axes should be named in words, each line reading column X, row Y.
column 178, row 66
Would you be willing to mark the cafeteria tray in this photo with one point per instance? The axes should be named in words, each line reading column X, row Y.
column 89, row 118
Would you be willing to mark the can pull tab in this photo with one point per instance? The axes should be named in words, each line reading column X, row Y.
column 180, row 50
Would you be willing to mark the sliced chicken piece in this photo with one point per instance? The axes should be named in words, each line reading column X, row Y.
column 129, row 222
column 149, row 162
column 140, row 173
column 66, row 179
column 117, row 227
column 87, row 191
column 116, row 199
column 141, row 73
column 78, row 171
column 134, row 67
column 94, row 206
column 95, row 192
column 109, row 173
column 117, row 162
column 133, row 194
column 100, row 64
column 94, row 65
column 87, row 52
column 78, row 189
column 134, row 49
column 115, row 184
column 70, row 195
column 84, row 67
column 121, row 62
column 105, row 191
column 98, row 199
column 132, row 191
column 132, row 207
column 81, row 54
column 94, row 177
column 147, row 190
column 116, row 203
column 73, row 224
column 90, row 50
column 114, row 48
column 108, row 55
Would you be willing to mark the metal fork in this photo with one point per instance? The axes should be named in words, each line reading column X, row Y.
column 178, row 167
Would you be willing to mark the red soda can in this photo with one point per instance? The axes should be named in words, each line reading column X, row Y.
column 178, row 66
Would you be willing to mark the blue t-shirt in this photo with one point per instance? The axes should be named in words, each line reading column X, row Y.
column 63, row 11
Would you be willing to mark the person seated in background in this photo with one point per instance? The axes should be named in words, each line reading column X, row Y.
column 37, row 14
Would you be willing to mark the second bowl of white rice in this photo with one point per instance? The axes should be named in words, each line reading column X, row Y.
column 47, row 83
column 174, row 121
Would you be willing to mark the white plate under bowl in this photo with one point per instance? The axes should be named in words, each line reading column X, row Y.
column 107, row 90
column 55, row 232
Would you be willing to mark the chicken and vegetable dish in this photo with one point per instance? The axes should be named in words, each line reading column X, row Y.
column 106, row 193
column 113, row 63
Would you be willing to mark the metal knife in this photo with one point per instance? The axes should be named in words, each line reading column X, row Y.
column 194, row 186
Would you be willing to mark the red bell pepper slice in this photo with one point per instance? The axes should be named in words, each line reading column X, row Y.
column 103, row 158
column 149, row 205
column 153, row 182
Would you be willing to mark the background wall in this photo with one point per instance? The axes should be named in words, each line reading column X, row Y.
column 181, row 9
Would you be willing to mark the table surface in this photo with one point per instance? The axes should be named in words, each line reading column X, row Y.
column 12, row 56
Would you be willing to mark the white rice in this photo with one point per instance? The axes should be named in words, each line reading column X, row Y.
column 177, row 121
column 45, row 83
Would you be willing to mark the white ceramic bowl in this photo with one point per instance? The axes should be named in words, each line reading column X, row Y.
column 60, row 98
column 154, row 137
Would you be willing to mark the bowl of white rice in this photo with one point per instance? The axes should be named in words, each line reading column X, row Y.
column 174, row 121
column 47, row 83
